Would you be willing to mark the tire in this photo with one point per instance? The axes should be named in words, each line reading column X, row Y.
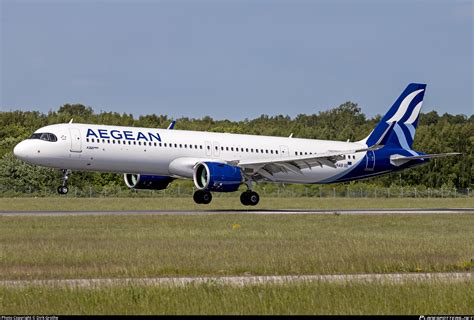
column 63, row 190
column 253, row 198
column 244, row 198
column 197, row 197
column 206, row 197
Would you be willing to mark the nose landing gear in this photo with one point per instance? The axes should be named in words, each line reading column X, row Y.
column 63, row 189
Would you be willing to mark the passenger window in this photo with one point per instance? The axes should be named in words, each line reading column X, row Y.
column 87, row 139
column 256, row 150
column 200, row 147
column 276, row 151
column 113, row 141
column 222, row 148
column 180, row 145
column 129, row 142
column 231, row 148
column 266, row 151
column 246, row 149
column 226, row 148
column 271, row 151
column 175, row 145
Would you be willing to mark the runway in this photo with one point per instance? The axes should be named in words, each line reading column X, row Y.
column 247, row 212
column 245, row 280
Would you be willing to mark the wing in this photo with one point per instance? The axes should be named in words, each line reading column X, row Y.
column 266, row 168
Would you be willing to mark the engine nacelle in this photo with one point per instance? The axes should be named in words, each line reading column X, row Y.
column 139, row 181
column 215, row 176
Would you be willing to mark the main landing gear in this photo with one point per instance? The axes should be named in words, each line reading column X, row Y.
column 63, row 189
column 202, row 197
column 249, row 198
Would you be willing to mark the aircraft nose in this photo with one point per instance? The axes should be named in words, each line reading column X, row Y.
column 21, row 150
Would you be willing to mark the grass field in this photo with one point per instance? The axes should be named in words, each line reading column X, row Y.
column 304, row 298
column 160, row 203
column 233, row 244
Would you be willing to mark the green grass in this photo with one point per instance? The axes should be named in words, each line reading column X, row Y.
column 303, row 298
column 218, row 203
column 234, row 244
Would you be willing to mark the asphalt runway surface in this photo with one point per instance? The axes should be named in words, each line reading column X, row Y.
column 248, row 212
column 246, row 280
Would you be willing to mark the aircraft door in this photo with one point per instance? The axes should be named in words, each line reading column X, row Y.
column 76, row 142
column 208, row 146
column 370, row 161
column 217, row 149
column 284, row 151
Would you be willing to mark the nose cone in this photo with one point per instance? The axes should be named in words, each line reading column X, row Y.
column 21, row 150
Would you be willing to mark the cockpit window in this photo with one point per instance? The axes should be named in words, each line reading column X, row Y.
column 44, row 136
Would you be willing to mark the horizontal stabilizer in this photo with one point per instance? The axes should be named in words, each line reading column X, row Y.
column 399, row 159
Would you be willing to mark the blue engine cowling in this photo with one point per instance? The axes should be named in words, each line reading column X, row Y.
column 214, row 176
column 139, row 181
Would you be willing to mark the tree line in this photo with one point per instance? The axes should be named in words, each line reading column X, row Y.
column 435, row 134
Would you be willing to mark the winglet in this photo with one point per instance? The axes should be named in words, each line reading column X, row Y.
column 171, row 126
column 70, row 121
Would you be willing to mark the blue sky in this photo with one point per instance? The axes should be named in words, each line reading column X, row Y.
column 234, row 59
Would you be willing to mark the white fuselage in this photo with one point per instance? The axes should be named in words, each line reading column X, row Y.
column 88, row 147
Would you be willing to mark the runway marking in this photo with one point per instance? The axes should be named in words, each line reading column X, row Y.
column 246, row 280
column 248, row 212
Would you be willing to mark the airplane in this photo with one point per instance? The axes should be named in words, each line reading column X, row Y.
column 221, row 162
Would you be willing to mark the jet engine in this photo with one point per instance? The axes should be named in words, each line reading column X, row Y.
column 139, row 181
column 215, row 176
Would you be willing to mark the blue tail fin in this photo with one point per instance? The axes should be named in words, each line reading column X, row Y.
column 403, row 116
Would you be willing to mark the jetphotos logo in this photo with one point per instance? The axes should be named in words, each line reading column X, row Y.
column 446, row 318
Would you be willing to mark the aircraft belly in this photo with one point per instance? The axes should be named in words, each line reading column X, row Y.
column 312, row 175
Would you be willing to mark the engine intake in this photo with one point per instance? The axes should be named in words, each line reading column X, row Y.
column 149, row 182
column 215, row 176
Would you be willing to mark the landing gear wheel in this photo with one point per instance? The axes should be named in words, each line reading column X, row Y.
column 244, row 198
column 197, row 197
column 206, row 197
column 63, row 190
column 249, row 198
column 202, row 197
